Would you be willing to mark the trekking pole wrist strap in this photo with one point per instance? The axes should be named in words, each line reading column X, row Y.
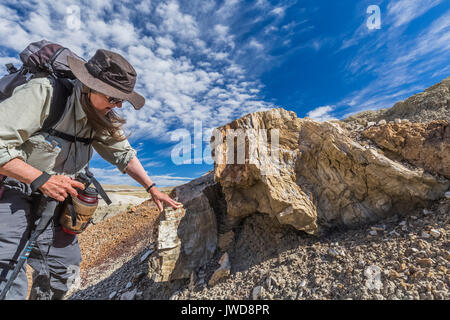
column 39, row 181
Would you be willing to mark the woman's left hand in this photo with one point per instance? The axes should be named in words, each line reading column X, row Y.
column 160, row 197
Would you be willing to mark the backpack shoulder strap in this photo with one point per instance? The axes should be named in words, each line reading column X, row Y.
column 62, row 89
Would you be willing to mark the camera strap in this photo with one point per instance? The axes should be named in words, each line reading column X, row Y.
column 89, row 174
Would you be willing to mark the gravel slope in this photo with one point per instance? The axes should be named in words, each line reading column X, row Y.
column 408, row 253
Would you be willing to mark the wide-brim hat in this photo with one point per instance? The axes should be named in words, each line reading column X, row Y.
column 108, row 73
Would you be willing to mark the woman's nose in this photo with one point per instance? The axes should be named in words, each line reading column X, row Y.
column 119, row 105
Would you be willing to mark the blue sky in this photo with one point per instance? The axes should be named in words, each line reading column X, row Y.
column 214, row 61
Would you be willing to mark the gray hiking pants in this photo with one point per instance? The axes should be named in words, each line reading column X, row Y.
column 55, row 260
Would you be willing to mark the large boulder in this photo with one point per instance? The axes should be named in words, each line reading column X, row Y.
column 268, row 183
column 319, row 174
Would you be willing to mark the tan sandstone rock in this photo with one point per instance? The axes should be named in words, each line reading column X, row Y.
column 426, row 145
column 321, row 175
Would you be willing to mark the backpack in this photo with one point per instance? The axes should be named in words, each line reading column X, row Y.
column 43, row 59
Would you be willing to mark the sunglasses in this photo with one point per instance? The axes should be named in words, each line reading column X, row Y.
column 111, row 100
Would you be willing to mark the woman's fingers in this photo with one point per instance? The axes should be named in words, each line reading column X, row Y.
column 76, row 184
column 59, row 187
column 159, row 205
column 159, row 197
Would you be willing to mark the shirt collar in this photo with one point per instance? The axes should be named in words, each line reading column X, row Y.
column 76, row 100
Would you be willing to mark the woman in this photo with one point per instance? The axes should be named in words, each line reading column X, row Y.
column 49, row 161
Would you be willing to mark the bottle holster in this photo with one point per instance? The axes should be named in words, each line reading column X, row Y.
column 77, row 215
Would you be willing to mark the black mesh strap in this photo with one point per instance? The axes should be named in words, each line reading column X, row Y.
column 39, row 181
column 68, row 137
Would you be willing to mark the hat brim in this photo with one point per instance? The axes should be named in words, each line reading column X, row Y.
column 80, row 71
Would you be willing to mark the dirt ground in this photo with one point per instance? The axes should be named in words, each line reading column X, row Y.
column 402, row 257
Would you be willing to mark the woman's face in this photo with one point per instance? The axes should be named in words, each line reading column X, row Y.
column 101, row 103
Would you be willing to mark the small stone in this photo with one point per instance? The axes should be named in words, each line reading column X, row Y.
column 371, row 123
column 422, row 244
column 394, row 274
column 223, row 271
column 145, row 255
column 257, row 291
column 332, row 252
column 269, row 283
column 447, row 195
column 372, row 233
column 112, row 295
column 398, row 120
column 442, row 269
column 402, row 267
column 424, row 262
column 302, row 284
column 394, row 233
column 381, row 122
column 435, row 233
column 426, row 211
column 129, row 295
column 425, row 235
column 417, row 275
column 410, row 251
column 174, row 296
column 129, row 284
column 138, row 276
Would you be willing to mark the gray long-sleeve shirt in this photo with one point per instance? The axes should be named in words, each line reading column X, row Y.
column 22, row 116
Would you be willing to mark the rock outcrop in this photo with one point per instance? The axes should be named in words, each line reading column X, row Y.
column 432, row 104
column 353, row 184
column 307, row 175
column 187, row 237
column 323, row 175
column 425, row 145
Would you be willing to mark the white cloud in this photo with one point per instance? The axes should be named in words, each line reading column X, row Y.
column 279, row 11
column 321, row 113
column 404, row 11
column 402, row 63
column 255, row 44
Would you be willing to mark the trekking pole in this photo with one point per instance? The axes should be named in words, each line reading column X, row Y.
column 49, row 207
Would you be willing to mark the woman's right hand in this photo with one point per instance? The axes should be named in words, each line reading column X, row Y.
column 59, row 187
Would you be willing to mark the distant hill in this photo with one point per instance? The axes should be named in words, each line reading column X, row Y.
column 432, row 104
